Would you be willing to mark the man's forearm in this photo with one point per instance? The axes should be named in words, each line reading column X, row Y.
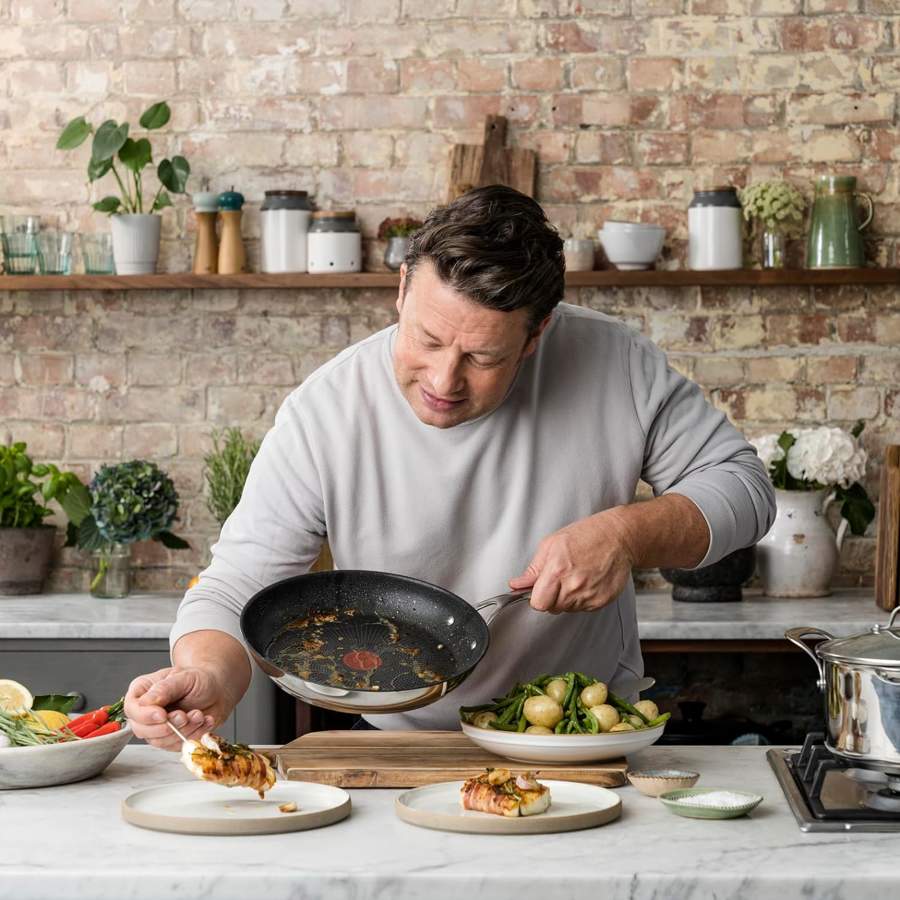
column 219, row 653
column 667, row 531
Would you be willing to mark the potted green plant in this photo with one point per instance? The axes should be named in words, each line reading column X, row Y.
column 124, row 503
column 225, row 471
column 773, row 210
column 26, row 542
column 397, row 233
column 135, row 223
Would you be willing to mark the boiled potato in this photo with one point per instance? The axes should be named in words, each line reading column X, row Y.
column 594, row 694
column 606, row 715
column 557, row 689
column 484, row 719
column 622, row 726
column 647, row 708
column 542, row 710
column 538, row 729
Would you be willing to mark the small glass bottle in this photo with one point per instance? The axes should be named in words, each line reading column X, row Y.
column 111, row 571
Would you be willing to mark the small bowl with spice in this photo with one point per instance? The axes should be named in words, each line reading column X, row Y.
column 710, row 803
column 653, row 782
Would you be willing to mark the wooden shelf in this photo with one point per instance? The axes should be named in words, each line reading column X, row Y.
column 600, row 279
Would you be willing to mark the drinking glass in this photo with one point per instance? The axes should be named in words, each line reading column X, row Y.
column 55, row 252
column 97, row 253
column 20, row 251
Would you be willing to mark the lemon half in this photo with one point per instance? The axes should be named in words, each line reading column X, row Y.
column 14, row 697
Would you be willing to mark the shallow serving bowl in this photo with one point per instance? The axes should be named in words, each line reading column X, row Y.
column 632, row 248
column 674, row 801
column 654, row 782
column 561, row 748
column 30, row 767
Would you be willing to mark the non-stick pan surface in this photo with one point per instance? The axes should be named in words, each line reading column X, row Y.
column 353, row 631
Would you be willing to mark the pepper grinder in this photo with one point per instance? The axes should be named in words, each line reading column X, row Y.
column 206, row 247
column 232, row 258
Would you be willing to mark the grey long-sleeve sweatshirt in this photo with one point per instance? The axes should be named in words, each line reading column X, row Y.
column 592, row 411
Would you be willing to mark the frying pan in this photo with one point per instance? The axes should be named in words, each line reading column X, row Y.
column 367, row 642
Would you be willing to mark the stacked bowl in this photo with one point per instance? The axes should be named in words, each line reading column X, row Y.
column 631, row 245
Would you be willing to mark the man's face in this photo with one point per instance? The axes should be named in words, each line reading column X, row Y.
column 454, row 359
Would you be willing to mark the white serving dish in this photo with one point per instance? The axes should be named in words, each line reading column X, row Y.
column 632, row 248
column 42, row 766
column 562, row 748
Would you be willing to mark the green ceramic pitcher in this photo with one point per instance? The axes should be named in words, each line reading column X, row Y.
column 835, row 232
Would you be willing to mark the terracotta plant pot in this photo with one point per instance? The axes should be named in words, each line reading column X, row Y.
column 25, row 555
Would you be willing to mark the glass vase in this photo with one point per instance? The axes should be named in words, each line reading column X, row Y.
column 111, row 571
column 773, row 249
column 395, row 252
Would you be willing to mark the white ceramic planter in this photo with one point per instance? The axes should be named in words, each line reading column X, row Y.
column 136, row 243
column 798, row 556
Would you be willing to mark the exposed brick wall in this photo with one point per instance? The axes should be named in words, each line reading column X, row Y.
column 629, row 103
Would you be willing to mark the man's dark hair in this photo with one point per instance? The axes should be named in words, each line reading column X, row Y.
column 495, row 246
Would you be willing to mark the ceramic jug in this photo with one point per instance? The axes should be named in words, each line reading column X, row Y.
column 835, row 231
column 798, row 556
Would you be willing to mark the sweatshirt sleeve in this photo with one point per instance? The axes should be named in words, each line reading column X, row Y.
column 692, row 449
column 276, row 531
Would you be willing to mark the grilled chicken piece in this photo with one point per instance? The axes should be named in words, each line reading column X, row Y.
column 212, row 758
column 497, row 791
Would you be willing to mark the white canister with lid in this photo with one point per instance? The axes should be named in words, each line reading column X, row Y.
column 285, row 217
column 334, row 242
column 715, row 230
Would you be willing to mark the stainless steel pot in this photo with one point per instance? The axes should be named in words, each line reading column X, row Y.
column 860, row 678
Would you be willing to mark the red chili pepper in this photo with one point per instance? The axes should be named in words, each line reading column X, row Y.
column 84, row 725
column 80, row 720
column 108, row 728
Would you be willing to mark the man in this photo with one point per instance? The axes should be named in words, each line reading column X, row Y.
column 492, row 438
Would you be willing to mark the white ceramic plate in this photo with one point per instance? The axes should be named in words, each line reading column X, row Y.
column 42, row 766
column 572, row 806
column 562, row 748
column 201, row 807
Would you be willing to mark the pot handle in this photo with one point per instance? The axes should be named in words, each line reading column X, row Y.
column 842, row 526
column 501, row 601
column 893, row 616
column 871, row 211
column 796, row 635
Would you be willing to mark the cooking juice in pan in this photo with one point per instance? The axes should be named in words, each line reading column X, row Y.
column 356, row 651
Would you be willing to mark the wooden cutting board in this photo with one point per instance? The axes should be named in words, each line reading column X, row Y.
column 391, row 759
column 478, row 165
column 887, row 558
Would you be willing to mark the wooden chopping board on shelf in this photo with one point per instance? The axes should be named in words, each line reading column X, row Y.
column 393, row 759
column 887, row 557
column 478, row 165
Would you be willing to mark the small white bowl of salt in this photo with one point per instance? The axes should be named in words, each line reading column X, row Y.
column 710, row 803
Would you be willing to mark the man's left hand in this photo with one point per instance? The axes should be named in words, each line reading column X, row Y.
column 581, row 567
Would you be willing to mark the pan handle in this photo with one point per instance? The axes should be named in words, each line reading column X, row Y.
column 501, row 601
column 796, row 635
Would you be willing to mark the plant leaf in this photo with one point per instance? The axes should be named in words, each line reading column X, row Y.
column 136, row 154
column 57, row 702
column 156, row 116
column 162, row 201
column 97, row 168
column 108, row 204
column 856, row 507
column 75, row 501
column 857, row 429
column 89, row 537
column 172, row 541
column 173, row 173
column 109, row 140
column 74, row 134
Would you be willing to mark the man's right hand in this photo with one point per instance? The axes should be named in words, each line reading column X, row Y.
column 190, row 698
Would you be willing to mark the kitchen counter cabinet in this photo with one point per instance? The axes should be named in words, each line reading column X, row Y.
column 648, row 853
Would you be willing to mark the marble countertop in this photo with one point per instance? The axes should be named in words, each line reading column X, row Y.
column 71, row 841
column 150, row 616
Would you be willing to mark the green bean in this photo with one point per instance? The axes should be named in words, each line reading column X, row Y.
column 625, row 706
column 499, row 727
column 570, row 689
column 659, row 720
column 560, row 726
column 593, row 722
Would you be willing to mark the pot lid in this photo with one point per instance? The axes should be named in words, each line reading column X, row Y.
column 878, row 647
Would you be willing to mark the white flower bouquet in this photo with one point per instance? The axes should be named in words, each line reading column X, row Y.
column 814, row 459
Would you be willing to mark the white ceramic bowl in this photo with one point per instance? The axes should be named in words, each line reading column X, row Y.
column 632, row 248
column 614, row 225
column 42, row 766
column 562, row 748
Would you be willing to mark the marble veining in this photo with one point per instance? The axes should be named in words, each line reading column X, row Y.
column 71, row 841
column 150, row 616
